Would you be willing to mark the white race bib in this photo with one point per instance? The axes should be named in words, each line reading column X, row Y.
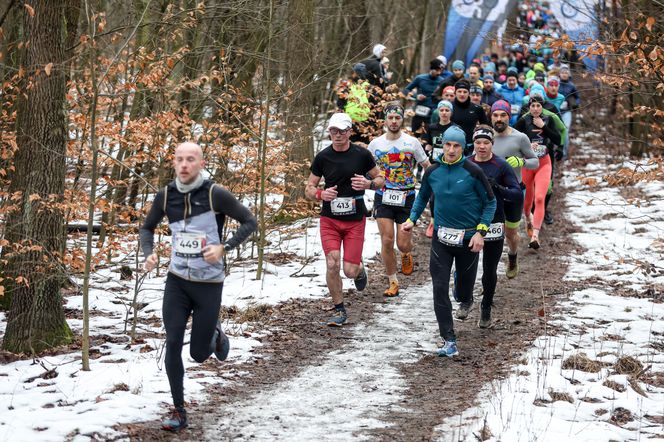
column 437, row 153
column 496, row 232
column 343, row 206
column 540, row 150
column 392, row 197
column 189, row 244
column 422, row 111
column 449, row 236
column 515, row 109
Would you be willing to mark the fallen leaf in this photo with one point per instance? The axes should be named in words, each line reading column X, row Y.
column 30, row 9
column 48, row 68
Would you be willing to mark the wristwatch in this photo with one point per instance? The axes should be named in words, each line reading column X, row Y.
column 227, row 247
column 482, row 229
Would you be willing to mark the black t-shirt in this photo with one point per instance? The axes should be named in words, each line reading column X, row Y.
column 337, row 168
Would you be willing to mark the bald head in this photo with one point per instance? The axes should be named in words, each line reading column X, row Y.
column 188, row 162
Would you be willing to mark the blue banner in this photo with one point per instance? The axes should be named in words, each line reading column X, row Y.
column 578, row 19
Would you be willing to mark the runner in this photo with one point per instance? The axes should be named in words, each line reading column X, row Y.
column 196, row 209
column 515, row 147
column 506, row 188
column 465, row 205
column 513, row 94
column 397, row 155
column 543, row 135
column 434, row 140
column 572, row 102
column 343, row 165
column 425, row 103
column 466, row 114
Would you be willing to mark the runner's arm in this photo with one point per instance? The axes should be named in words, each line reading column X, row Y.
column 530, row 158
column 377, row 178
column 483, row 188
column 152, row 220
column 311, row 188
column 551, row 132
column 511, row 190
column 225, row 203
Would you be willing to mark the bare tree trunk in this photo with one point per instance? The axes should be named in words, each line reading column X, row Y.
column 300, row 119
column 36, row 318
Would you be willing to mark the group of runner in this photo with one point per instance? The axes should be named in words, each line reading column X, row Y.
column 471, row 137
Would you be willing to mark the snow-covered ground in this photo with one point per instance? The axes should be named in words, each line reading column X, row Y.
column 540, row 400
column 546, row 400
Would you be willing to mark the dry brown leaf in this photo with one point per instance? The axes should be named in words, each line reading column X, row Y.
column 48, row 68
column 30, row 9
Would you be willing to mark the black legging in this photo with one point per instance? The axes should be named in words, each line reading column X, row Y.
column 183, row 298
column 440, row 265
column 492, row 252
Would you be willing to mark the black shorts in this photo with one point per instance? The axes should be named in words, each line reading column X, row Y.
column 513, row 211
column 396, row 213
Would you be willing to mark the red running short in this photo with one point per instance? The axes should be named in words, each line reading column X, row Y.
column 334, row 232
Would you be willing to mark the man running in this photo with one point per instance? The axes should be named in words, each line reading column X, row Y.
column 506, row 188
column 465, row 205
column 397, row 154
column 515, row 147
column 425, row 102
column 466, row 114
column 344, row 166
column 196, row 209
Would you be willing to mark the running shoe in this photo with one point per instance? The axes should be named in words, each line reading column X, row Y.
column 529, row 229
column 407, row 263
column 338, row 318
column 429, row 232
column 464, row 309
column 512, row 266
column 448, row 349
column 392, row 290
column 485, row 318
column 534, row 243
column 176, row 421
column 548, row 218
column 221, row 343
column 361, row 279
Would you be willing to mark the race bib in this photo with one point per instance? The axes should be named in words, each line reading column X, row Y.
column 437, row 153
column 540, row 150
column 189, row 244
column 451, row 237
column 422, row 111
column 343, row 206
column 515, row 109
column 392, row 197
column 496, row 232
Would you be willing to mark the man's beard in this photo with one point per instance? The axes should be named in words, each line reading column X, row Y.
column 394, row 131
column 500, row 126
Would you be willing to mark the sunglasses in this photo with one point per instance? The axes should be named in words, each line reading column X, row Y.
column 335, row 131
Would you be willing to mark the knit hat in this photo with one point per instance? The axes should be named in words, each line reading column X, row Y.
column 462, row 84
column 539, row 67
column 512, row 69
column 475, row 89
column 378, row 50
column 458, row 64
column 502, row 105
column 539, row 77
column 447, row 104
column 537, row 89
column 483, row 132
column 564, row 67
column 455, row 134
column 512, row 74
column 490, row 67
column 447, row 89
column 488, row 77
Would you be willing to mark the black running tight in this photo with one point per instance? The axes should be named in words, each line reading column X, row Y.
column 183, row 298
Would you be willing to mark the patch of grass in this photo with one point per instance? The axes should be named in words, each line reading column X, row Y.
column 621, row 416
column 252, row 313
column 561, row 396
column 582, row 362
column 628, row 365
column 601, row 411
column 119, row 387
column 614, row 386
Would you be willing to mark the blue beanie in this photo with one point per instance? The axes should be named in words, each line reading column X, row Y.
column 455, row 134
column 447, row 104
column 458, row 64
column 490, row 67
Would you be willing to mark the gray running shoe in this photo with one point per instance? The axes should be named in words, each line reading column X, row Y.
column 338, row 318
column 464, row 309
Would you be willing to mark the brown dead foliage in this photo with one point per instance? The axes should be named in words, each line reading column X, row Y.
column 582, row 362
column 628, row 365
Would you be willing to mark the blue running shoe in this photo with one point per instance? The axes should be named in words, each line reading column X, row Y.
column 220, row 342
column 454, row 288
column 176, row 421
column 448, row 349
column 338, row 319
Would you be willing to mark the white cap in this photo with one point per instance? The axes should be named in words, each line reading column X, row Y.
column 443, row 59
column 378, row 50
column 340, row 120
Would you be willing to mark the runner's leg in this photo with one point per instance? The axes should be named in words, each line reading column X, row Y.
column 440, row 266
column 353, row 243
column 176, row 310
column 206, row 298
column 491, row 252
